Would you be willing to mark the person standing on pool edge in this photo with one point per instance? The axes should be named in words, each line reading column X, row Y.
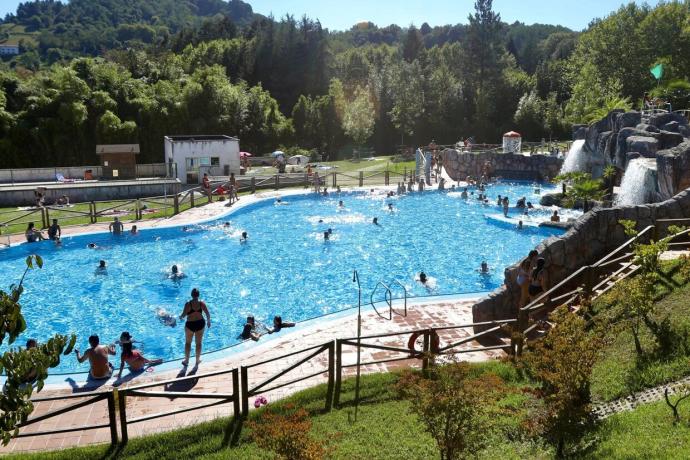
column 194, row 310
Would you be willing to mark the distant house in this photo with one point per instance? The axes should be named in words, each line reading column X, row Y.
column 216, row 155
column 9, row 50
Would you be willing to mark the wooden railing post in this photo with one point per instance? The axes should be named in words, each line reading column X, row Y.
column 112, row 418
column 176, row 204
column 92, row 212
column 253, row 184
column 335, row 180
column 137, row 209
column 122, row 403
column 404, row 174
column 306, row 180
column 338, row 371
column 46, row 218
column 425, row 353
column 236, row 406
column 386, row 178
column 331, row 375
column 277, row 180
column 191, row 198
column 361, row 178
column 244, row 378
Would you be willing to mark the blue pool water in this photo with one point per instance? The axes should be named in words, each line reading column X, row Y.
column 286, row 268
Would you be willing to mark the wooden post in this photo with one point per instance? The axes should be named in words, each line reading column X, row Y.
column 253, row 184
column 361, row 178
column 405, row 174
column 386, row 177
column 306, row 180
column 236, row 406
column 46, row 218
column 277, row 179
column 523, row 320
column 137, row 209
column 191, row 197
column 176, row 204
column 111, row 417
column 122, row 402
column 335, row 181
column 245, row 391
column 92, row 211
column 331, row 375
column 425, row 353
column 338, row 372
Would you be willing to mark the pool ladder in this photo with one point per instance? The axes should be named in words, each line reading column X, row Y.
column 388, row 299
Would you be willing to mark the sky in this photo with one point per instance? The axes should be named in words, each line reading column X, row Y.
column 342, row 14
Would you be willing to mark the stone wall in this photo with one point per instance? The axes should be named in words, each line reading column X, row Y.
column 459, row 165
column 593, row 236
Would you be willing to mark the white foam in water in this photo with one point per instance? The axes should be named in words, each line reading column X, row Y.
column 639, row 183
column 576, row 159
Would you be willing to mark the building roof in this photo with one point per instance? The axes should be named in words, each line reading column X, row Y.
column 201, row 138
column 117, row 148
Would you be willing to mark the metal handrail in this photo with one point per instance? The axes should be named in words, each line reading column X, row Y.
column 405, row 297
column 388, row 298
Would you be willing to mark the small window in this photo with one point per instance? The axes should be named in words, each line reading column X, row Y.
column 215, row 161
column 204, row 161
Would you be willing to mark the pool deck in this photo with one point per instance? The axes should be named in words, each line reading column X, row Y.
column 422, row 313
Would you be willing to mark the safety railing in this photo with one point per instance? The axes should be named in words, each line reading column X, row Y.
column 87, row 399
column 272, row 382
column 173, row 389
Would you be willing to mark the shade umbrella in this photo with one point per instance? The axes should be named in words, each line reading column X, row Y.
column 278, row 153
column 245, row 154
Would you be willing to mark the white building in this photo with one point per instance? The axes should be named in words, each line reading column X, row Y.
column 11, row 50
column 217, row 155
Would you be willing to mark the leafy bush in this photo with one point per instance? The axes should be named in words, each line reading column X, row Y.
column 287, row 434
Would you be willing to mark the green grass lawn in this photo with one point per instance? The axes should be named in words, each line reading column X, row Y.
column 621, row 372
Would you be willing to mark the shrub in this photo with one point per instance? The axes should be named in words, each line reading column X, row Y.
column 562, row 363
column 454, row 406
column 287, row 434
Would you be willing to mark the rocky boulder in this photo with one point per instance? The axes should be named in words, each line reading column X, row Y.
column 647, row 128
column 579, row 132
column 627, row 120
column 673, row 170
column 660, row 119
column 668, row 140
column 671, row 126
column 644, row 145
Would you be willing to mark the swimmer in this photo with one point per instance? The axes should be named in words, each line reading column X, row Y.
column 375, row 221
column 484, row 267
column 92, row 246
column 338, row 189
column 519, row 226
column 321, row 221
column 278, row 324
column 326, row 235
column 464, row 193
column 101, row 269
column 330, row 231
column 341, row 204
column 175, row 273
column 280, row 202
column 226, row 224
column 427, row 281
column 422, row 278
column 499, row 201
column 134, row 230
column 390, row 207
column 58, row 242
column 165, row 317
column 325, row 191
column 244, row 238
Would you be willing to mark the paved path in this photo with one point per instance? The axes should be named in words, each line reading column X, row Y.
column 628, row 403
column 436, row 314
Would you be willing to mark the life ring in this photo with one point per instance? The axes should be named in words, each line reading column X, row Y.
column 435, row 342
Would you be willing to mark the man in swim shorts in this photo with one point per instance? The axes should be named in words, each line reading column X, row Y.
column 98, row 359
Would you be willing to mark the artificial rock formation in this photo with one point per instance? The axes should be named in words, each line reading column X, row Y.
column 459, row 165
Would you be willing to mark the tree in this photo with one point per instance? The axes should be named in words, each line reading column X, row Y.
column 454, row 406
column 413, row 44
column 19, row 363
column 529, row 116
column 358, row 119
column 562, row 363
column 407, row 93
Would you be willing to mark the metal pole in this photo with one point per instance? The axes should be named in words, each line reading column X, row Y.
column 355, row 277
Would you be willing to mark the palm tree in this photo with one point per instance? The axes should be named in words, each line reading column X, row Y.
column 586, row 191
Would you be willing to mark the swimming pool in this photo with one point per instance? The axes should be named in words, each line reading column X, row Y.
column 286, row 267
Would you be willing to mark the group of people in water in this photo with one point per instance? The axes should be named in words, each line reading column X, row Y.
column 197, row 319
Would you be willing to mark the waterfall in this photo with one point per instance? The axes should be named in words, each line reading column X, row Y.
column 576, row 159
column 639, row 183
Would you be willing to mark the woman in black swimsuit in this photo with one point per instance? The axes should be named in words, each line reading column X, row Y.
column 194, row 310
column 536, row 282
